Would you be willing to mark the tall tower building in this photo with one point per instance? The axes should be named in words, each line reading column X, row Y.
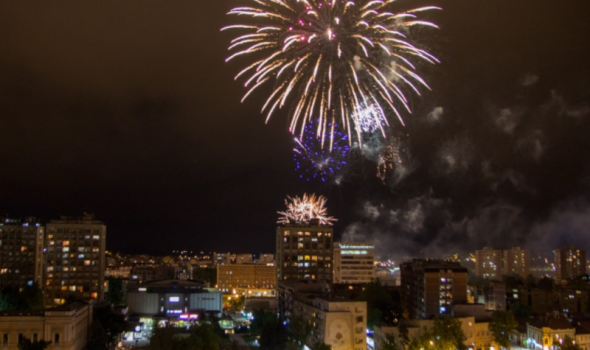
column 304, row 252
column 21, row 252
column 569, row 263
column 432, row 287
column 517, row 262
column 489, row 263
column 75, row 259
column 354, row 262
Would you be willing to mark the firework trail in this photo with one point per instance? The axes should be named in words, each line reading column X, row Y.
column 335, row 58
column 390, row 157
column 303, row 210
column 314, row 159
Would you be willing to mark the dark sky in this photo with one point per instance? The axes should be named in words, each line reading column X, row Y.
column 127, row 109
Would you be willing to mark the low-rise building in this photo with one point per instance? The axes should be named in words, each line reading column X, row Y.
column 548, row 331
column 249, row 279
column 243, row 259
column 66, row 327
column 172, row 300
column 340, row 324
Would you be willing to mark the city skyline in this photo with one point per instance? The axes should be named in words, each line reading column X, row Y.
column 128, row 111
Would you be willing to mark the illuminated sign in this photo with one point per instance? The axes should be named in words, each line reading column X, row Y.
column 174, row 299
column 187, row 316
column 357, row 246
column 354, row 252
column 175, row 312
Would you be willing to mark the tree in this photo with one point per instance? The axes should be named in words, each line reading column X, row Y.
column 568, row 344
column 113, row 324
column 389, row 342
column 116, row 292
column 546, row 283
column 298, row 330
column 521, row 310
column 99, row 338
column 163, row 338
column 530, row 281
column 272, row 332
column 27, row 344
column 32, row 296
column 446, row 334
column 237, row 303
column 501, row 326
column 404, row 334
column 203, row 337
column 321, row 346
column 383, row 306
column 207, row 275
column 513, row 281
column 10, row 299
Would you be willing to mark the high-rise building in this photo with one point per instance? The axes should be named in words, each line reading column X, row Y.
column 304, row 252
column 517, row 262
column 354, row 262
column 21, row 252
column 570, row 262
column 489, row 263
column 432, row 287
column 75, row 259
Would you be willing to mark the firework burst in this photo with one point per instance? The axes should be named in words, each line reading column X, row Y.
column 314, row 159
column 334, row 58
column 304, row 209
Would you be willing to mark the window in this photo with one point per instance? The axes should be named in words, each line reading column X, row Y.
column 96, row 237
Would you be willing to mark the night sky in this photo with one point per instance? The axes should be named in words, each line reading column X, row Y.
column 128, row 110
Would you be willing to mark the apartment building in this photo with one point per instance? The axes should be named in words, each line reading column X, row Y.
column 304, row 252
column 75, row 259
column 489, row 263
column 21, row 252
column 517, row 262
column 570, row 262
column 432, row 287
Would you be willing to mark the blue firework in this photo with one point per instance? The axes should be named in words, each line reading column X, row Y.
column 324, row 159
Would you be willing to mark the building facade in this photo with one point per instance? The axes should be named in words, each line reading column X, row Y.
column 66, row 327
column 354, row 262
column 489, row 263
column 74, row 259
column 432, row 287
column 477, row 334
column 517, row 262
column 570, row 262
column 266, row 258
column 304, row 252
column 243, row 259
column 339, row 324
column 21, row 252
column 172, row 300
column 246, row 278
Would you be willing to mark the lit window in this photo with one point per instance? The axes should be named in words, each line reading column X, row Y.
column 96, row 237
